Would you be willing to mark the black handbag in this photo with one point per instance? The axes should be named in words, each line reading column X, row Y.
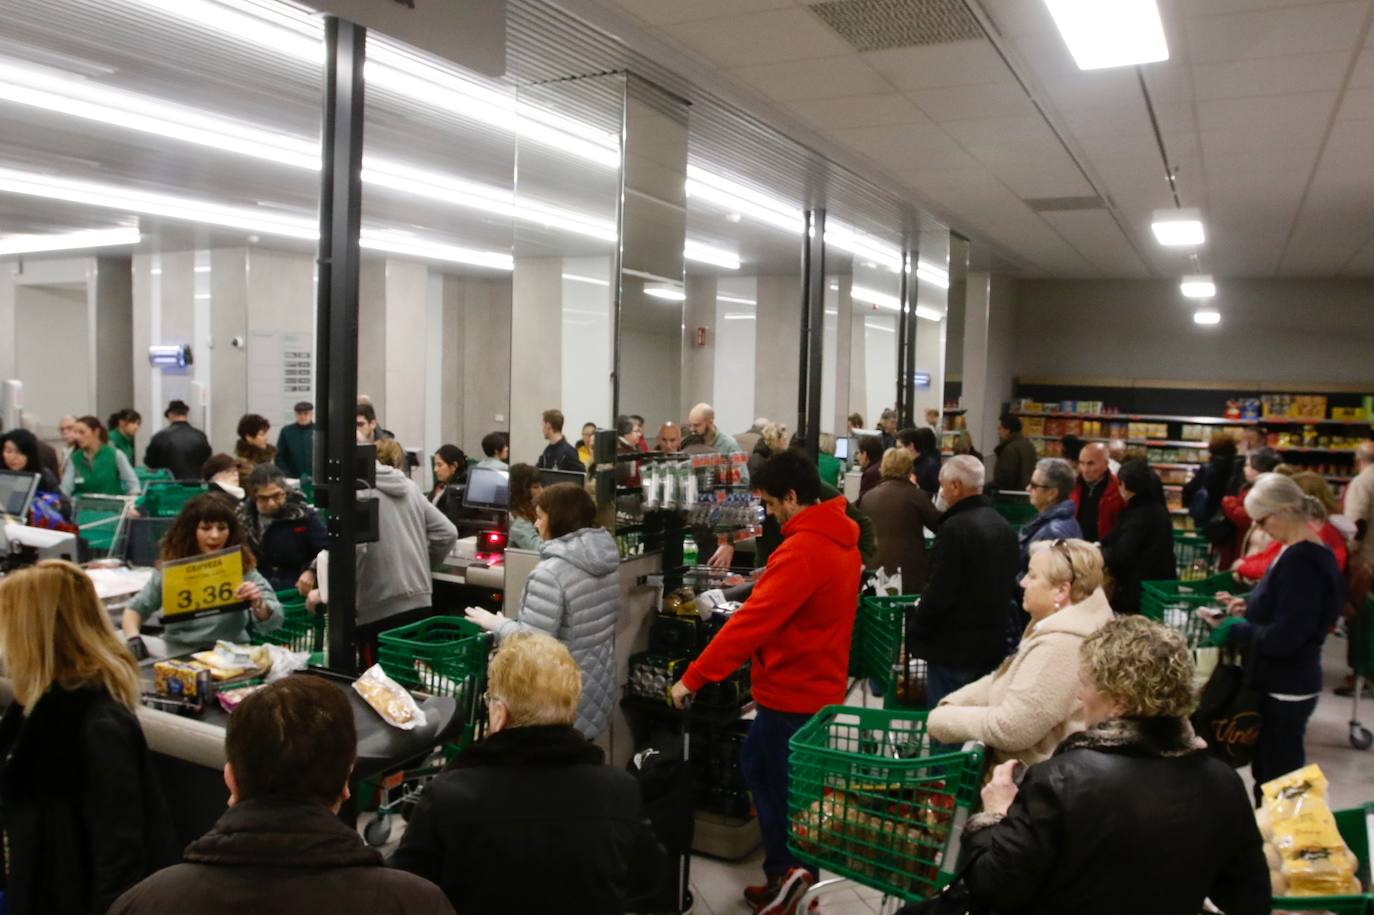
column 1228, row 713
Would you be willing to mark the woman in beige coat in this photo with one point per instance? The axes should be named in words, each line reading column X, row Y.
column 1024, row 708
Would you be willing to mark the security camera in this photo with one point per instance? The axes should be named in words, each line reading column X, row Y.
column 237, row 342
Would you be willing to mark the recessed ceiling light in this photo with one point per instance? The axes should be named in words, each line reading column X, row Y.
column 1178, row 228
column 1110, row 33
column 1207, row 317
column 68, row 241
column 1198, row 287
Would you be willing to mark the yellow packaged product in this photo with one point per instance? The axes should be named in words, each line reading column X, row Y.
column 1321, row 872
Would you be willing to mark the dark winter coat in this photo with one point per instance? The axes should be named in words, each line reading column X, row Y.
column 1077, row 835
column 927, row 471
column 1287, row 616
column 529, row 821
column 900, row 512
column 180, row 448
column 758, row 457
column 296, row 450
column 84, row 815
column 1140, row 548
column 559, row 455
column 872, row 475
column 294, row 537
column 1015, row 463
column 274, row 857
column 961, row 620
column 1215, row 477
column 1054, row 523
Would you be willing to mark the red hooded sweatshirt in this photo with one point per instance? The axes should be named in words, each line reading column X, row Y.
column 796, row 625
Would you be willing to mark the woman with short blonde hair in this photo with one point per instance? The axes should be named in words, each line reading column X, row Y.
column 84, row 815
column 897, row 464
column 534, row 681
column 1024, row 708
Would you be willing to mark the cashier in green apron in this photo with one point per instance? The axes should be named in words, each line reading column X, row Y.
column 206, row 524
column 96, row 468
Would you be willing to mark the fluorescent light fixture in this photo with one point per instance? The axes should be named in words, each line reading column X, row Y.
column 589, row 280
column 247, row 219
column 873, row 297
column 930, row 314
column 886, row 330
column 738, row 198
column 738, row 317
column 1110, row 33
column 1178, row 228
column 735, row 300
column 932, row 274
column 847, row 238
column 706, row 254
column 669, row 293
column 68, row 241
column 1207, row 317
column 1198, row 287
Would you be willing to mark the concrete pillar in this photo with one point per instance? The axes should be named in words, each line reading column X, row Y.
column 698, row 360
column 776, row 364
column 488, row 357
column 402, row 407
column 372, row 328
column 228, row 376
column 988, row 346
column 536, row 352
column 113, row 334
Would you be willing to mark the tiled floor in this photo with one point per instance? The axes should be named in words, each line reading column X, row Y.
column 718, row 885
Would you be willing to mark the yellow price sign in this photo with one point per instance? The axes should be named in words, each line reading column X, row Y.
column 202, row 585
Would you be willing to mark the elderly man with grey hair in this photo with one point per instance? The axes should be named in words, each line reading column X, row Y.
column 960, row 624
column 1051, row 492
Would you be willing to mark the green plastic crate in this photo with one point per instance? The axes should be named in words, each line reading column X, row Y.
column 299, row 631
column 868, row 801
column 1354, row 825
column 165, row 500
column 1192, row 556
column 1174, row 603
column 442, row 656
column 147, row 475
column 99, row 519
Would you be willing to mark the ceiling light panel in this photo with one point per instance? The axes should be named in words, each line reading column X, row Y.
column 707, row 254
column 1199, row 286
column 1207, row 317
column 1180, row 228
column 68, row 241
column 1110, row 33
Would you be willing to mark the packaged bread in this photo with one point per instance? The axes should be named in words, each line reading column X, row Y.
column 389, row 699
column 1302, row 844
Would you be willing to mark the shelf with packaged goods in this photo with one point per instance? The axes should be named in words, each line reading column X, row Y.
column 1176, row 443
column 1204, row 420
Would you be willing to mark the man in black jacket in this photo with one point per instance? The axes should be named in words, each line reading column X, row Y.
column 529, row 821
column 180, row 448
column 283, row 531
column 960, row 624
column 280, row 847
column 559, row 453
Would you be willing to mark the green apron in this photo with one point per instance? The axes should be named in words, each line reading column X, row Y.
column 98, row 475
column 123, row 443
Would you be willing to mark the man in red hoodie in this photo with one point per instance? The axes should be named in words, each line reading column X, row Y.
column 795, row 628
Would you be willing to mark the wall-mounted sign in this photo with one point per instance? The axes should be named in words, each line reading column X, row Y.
column 921, row 379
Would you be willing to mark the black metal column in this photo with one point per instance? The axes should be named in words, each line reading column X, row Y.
column 812, row 331
column 906, row 348
column 337, row 323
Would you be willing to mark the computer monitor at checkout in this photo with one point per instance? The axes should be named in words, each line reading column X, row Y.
column 487, row 488
column 16, row 493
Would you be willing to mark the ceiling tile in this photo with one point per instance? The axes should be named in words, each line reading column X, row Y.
column 1348, row 148
column 1095, row 235
column 964, row 63
column 1362, row 264
column 1218, row 7
column 1308, row 112
column 1276, row 33
column 830, row 77
column 858, row 111
column 1094, row 89
column 900, row 147
column 671, row 12
column 1270, row 76
column 1363, row 74
column 1038, row 173
column 1005, row 132
column 1358, row 105
column 1259, row 149
column 957, row 103
column 760, row 38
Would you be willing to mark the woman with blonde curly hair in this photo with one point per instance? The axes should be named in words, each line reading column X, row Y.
column 1087, row 824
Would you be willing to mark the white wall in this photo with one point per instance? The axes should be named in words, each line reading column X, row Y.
column 880, row 364
column 536, row 352
column 777, row 365
column 736, row 345
column 1272, row 331
column 652, row 361
column 588, row 345
column 51, row 323
column 486, row 360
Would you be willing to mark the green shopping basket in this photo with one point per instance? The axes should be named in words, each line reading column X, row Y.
column 299, row 631
column 1192, row 556
column 1017, row 512
column 879, row 636
column 868, row 800
column 165, row 499
column 1354, row 825
column 442, row 656
column 147, row 475
column 1174, row 603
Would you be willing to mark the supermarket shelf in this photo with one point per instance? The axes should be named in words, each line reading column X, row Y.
column 1204, row 420
column 1314, row 450
column 1177, row 443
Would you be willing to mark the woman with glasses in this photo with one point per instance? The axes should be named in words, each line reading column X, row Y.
column 279, row 527
column 1024, row 708
column 1051, row 492
column 1141, row 545
column 1282, row 624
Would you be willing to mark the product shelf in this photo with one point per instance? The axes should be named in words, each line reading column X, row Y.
column 1205, row 420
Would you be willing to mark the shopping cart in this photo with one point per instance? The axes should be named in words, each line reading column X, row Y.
column 1358, row 632
column 165, row 498
column 299, row 631
column 1355, row 826
column 442, row 656
column 1175, row 604
column 869, row 800
column 878, row 653
column 101, row 520
column 1192, row 556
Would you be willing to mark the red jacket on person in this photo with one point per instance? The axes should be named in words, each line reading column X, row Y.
column 1254, row 567
column 797, row 623
column 1108, row 507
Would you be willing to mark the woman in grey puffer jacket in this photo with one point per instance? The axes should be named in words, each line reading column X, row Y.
column 573, row 594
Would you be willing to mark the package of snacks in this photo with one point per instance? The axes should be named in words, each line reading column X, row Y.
column 229, row 699
column 1304, row 848
column 389, row 699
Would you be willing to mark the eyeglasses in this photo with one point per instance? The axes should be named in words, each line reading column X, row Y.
column 270, row 497
column 1061, row 546
column 1034, row 485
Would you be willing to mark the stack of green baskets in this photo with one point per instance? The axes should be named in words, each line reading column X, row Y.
column 1192, row 555
column 299, row 631
column 867, row 799
column 165, row 499
column 879, row 634
column 1355, row 826
column 442, row 656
